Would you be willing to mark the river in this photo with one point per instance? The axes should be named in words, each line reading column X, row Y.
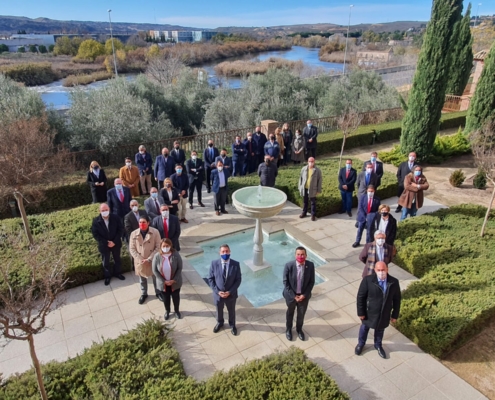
column 57, row 96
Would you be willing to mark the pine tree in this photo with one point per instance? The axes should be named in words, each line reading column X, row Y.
column 421, row 122
column 482, row 106
column 462, row 56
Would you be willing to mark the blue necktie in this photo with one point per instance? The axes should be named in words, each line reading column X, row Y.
column 367, row 179
column 383, row 285
column 211, row 153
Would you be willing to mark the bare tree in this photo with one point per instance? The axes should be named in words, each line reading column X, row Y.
column 165, row 68
column 29, row 160
column 29, row 291
column 483, row 147
column 348, row 123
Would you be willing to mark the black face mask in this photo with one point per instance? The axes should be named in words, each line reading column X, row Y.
column 210, row 144
column 165, row 154
column 267, row 162
column 177, row 147
column 384, row 214
column 224, row 155
column 272, row 139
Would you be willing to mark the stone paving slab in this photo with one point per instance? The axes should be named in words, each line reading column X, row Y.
column 93, row 312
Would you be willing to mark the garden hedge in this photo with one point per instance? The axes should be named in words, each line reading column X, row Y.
column 143, row 364
column 456, row 294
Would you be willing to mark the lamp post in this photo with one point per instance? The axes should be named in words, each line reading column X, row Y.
column 113, row 47
column 347, row 37
column 477, row 13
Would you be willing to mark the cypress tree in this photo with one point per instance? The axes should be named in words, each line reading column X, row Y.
column 482, row 106
column 462, row 56
column 421, row 122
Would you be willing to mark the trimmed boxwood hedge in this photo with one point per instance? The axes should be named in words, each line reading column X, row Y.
column 143, row 364
column 456, row 294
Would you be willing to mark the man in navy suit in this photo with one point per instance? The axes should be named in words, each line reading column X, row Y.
column 251, row 159
column 225, row 159
column 164, row 167
column 144, row 163
column 119, row 198
column 178, row 154
column 377, row 167
column 210, row 154
column 220, row 177
column 195, row 174
column 347, row 179
column 238, row 154
column 260, row 139
column 299, row 280
column 224, row 279
column 368, row 207
column 107, row 229
column 168, row 225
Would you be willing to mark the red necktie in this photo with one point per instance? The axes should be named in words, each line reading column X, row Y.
column 369, row 204
column 165, row 228
column 346, row 174
column 121, row 196
column 374, row 168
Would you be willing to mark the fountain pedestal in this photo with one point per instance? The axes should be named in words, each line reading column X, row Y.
column 258, row 263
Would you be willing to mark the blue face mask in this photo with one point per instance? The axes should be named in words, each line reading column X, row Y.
column 310, row 125
column 348, row 166
column 179, row 171
column 373, row 159
column 118, row 187
column 154, row 195
column 225, row 257
column 417, row 173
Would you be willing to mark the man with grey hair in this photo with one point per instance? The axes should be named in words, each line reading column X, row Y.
column 364, row 179
column 376, row 251
column 144, row 163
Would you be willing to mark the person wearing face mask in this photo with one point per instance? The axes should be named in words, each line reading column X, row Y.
column 167, row 268
column 131, row 223
column 130, row 177
column 412, row 198
column 267, row 172
column 378, row 250
column 365, row 179
column 118, row 199
column 385, row 222
column 144, row 163
column 287, row 137
column 368, row 207
column 403, row 170
column 260, row 140
column 180, row 182
column 225, row 159
column 220, row 177
column 152, row 204
column 170, row 196
column 107, row 230
column 195, row 175
column 238, row 156
column 298, row 147
column 251, row 159
column 168, row 226
column 310, row 134
column 164, row 167
column 210, row 154
column 310, row 183
column 178, row 154
column 299, row 280
column 272, row 149
column 97, row 181
column 144, row 243
column 347, row 179
column 224, row 279
column 376, row 165
column 378, row 304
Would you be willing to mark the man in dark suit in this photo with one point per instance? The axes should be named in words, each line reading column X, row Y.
column 219, row 179
column 144, row 163
column 377, row 167
column 178, row 154
column 225, row 159
column 365, row 179
column 368, row 207
column 310, row 134
column 152, row 203
column 210, row 154
column 224, row 279
column 107, row 230
column 378, row 304
column 251, row 159
column 168, row 225
column 195, row 174
column 164, row 167
column 181, row 185
column 299, row 280
column 119, row 198
column 404, row 169
column 347, row 180
column 238, row 155
column 260, row 139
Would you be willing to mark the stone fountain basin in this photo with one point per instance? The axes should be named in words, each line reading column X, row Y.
column 246, row 201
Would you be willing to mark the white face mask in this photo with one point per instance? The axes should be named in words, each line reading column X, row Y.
column 220, row 169
column 105, row 214
column 380, row 242
column 141, row 151
column 194, row 157
column 370, row 194
column 165, row 214
column 382, row 275
column 369, row 170
column 135, row 208
column 412, row 159
column 128, row 164
column 165, row 249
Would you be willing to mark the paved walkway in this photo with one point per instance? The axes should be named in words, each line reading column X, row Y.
column 95, row 311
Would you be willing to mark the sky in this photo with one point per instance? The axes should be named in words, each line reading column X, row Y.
column 212, row 14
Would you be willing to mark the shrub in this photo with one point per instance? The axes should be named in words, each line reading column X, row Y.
column 479, row 181
column 42, row 48
column 455, row 296
column 4, row 48
column 90, row 49
column 21, row 49
column 143, row 364
column 31, row 74
column 457, row 178
column 51, row 48
column 75, row 80
column 33, row 48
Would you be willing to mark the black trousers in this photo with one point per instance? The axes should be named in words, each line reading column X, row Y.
column 220, row 199
column 311, row 152
column 196, row 185
column 400, row 189
column 230, row 303
column 105, row 258
column 174, row 294
column 301, row 306
column 208, row 177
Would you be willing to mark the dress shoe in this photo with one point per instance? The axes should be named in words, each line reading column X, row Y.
column 191, row 206
column 300, row 335
column 234, row 331
column 356, row 225
column 217, row 212
column 107, row 281
column 355, row 244
column 184, row 220
column 302, row 215
column 288, row 335
column 398, row 209
column 349, row 214
column 208, row 190
column 142, row 298
column 121, row 277
column 225, row 212
column 358, row 350
column 160, row 297
column 200, row 204
column 167, row 315
column 217, row 328
column 381, row 352
column 313, row 218
column 178, row 315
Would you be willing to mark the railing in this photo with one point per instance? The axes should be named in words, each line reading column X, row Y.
column 456, row 103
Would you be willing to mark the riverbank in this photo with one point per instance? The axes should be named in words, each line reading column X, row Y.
column 245, row 68
column 76, row 80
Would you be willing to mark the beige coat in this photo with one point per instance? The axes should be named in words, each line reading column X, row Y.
column 144, row 249
column 411, row 191
column 280, row 141
column 130, row 177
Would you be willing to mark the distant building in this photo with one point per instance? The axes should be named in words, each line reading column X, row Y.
column 183, row 36
column 20, row 40
column 374, row 59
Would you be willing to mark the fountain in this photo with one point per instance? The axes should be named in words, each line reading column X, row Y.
column 258, row 202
